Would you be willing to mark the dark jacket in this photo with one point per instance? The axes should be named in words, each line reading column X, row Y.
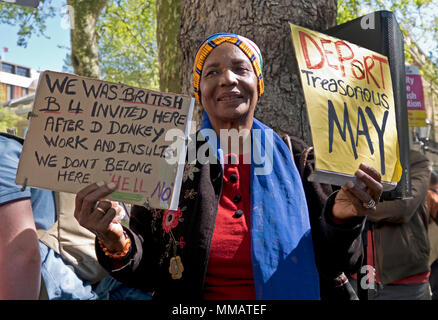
column 400, row 228
column 337, row 247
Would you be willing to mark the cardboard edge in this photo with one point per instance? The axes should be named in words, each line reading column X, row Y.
column 181, row 161
column 340, row 179
column 21, row 180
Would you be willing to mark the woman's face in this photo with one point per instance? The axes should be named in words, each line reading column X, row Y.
column 228, row 86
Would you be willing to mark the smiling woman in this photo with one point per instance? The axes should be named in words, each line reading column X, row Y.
column 228, row 88
column 238, row 233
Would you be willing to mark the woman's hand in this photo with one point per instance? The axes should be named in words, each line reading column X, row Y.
column 101, row 219
column 360, row 198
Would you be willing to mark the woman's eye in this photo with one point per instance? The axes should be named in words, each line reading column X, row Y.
column 240, row 69
column 211, row 73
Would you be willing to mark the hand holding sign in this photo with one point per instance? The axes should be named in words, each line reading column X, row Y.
column 353, row 198
column 101, row 219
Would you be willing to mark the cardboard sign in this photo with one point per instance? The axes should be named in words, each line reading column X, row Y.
column 86, row 130
column 349, row 98
column 415, row 98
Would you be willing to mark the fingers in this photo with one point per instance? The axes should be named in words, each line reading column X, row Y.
column 359, row 198
column 107, row 209
column 351, row 197
column 90, row 199
column 100, row 219
column 367, row 189
column 109, row 216
column 371, row 178
column 102, row 207
column 357, row 195
column 109, row 230
column 86, row 211
column 81, row 194
column 86, row 199
column 371, row 172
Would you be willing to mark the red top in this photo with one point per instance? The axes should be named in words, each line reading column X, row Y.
column 229, row 272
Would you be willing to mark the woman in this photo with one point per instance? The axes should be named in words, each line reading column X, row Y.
column 242, row 230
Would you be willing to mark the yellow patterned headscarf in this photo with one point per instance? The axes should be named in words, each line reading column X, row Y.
column 248, row 47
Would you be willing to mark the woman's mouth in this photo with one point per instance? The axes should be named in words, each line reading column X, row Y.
column 230, row 98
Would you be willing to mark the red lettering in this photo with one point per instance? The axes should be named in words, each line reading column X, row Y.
column 328, row 53
column 113, row 179
column 140, row 186
column 303, row 37
column 124, row 183
column 316, row 57
column 380, row 59
column 355, row 66
column 368, row 70
column 338, row 45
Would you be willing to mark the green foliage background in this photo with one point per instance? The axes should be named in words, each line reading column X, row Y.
column 127, row 43
column 8, row 119
column 418, row 20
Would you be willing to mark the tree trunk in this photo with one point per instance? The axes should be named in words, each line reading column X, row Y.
column 169, row 53
column 84, row 47
column 282, row 105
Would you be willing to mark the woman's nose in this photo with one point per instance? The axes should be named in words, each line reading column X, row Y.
column 228, row 78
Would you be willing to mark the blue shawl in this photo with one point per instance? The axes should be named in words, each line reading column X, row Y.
column 281, row 242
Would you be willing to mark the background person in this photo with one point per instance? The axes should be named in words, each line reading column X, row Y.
column 432, row 206
column 24, row 260
column 235, row 234
column 20, row 263
column 399, row 244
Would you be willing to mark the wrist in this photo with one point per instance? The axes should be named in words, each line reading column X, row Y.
column 341, row 219
column 331, row 210
column 337, row 220
column 113, row 242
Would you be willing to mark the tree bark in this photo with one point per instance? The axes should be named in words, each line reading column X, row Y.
column 169, row 53
column 282, row 106
column 84, row 47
